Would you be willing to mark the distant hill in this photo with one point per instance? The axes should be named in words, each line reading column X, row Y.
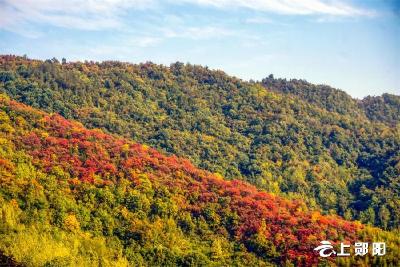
column 290, row 138
column 385, row 108
column 323, row 96
column 72, row 196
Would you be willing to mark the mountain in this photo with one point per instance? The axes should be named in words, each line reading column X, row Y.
column 385, row 108
column 323, row 96
column 70, row 195
column 318, row 145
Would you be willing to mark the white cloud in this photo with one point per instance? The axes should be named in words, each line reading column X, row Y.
column 197, row 33
column 22, row 16
column 260, row 20
column 146, row 41
column 76, row 14
column 290, row 7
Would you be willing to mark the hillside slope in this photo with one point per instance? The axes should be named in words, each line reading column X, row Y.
column 334, row 157
column 385, row 108
column 323, row 96
column 69, row 195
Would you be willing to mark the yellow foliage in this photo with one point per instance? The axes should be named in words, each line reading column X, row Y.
column 5, row 125
column 44, row 134
column 315, row 216
column 32, row 247
column 71, row 223
column 145, row 147
column 9, row 214
column 20, row 121
column 125, row 148
column 218, row 176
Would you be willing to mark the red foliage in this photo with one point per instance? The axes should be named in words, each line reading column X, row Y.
column 89, row 153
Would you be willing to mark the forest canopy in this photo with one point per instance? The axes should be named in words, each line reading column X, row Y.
column 290, row 138
column 73, row 196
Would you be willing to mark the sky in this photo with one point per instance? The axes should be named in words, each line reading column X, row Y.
column 352, row 45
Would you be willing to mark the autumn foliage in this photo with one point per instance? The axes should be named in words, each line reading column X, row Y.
column 139, row 191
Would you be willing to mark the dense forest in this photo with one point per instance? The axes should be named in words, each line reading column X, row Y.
column 70, row 196
column 291, row 138
column 385, row 108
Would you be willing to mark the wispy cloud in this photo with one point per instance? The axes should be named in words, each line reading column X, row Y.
column 18, row 16
column 75, row 14
column 147, row 41
column 106, row 14
column 259, row 20
column 290, row 7
column 197, row 33
column 26, row 17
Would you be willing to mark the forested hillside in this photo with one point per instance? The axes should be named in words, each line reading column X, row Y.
column 72, row 196
column 331, row 151
column 322, row 96
column 385, row 108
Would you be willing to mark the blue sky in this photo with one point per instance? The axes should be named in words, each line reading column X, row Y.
column 351, row 45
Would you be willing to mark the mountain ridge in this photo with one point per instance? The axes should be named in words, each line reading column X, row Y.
column 384, row 108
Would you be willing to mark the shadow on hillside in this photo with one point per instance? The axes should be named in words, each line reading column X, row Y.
column 6, row 261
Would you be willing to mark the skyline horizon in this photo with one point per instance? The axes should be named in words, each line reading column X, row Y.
column 209, row 67
column 348, row 44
